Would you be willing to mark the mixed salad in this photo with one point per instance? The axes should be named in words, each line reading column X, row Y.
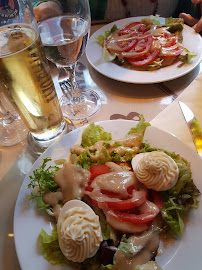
column 111, row 200
column 146, row 44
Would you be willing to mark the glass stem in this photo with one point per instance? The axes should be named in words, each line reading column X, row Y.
column 76, row 97
column 6, row 116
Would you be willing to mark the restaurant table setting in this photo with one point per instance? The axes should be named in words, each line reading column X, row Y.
column 120, row 99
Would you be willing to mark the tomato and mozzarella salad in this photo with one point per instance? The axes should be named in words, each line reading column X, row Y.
column 144, row 45
column 107, row 197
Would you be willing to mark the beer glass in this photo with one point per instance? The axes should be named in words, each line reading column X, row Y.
column 64, row 31
column 25, row 75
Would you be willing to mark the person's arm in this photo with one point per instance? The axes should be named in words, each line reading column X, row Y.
column 46, row 9
column 196, row 23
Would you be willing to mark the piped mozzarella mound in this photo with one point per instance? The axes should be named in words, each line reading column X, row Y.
column 156, row 170
column 79, row 231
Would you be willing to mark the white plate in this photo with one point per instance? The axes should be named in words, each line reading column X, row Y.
column 191, row 40
column 28, row 221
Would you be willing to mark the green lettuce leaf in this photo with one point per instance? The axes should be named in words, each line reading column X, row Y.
column 93, row 134
column 51, row 251
column 50, row 248
column 101, row 38
column 155, row 19
column 140, row 127
column 124, row 245
column 181, row 198
column 186, row 58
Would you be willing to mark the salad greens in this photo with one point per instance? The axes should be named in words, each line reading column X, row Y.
column 187, row 57
column 176, row 202
column 50, row 248
column 101, row 38
column 181, row 198
column 43, row 181
column 93, row 134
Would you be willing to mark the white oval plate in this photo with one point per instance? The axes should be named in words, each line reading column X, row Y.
column 191, row 40
column 184, row 254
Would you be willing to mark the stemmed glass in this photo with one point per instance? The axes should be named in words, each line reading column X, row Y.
column 64, row 37
column 12, row 128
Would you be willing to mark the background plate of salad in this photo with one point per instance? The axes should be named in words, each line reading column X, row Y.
column 184, row 253
column 125, row 73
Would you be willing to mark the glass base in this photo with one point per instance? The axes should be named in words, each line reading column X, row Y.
column 39, row 146
column 88, row 104
column 13, row 132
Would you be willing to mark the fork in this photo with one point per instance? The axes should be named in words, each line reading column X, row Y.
column 63, row 79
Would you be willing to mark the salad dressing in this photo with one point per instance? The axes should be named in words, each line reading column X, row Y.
column 117, row 182
column 72, row 179
column 52, row 198
column 142, row 249
column 131, row 142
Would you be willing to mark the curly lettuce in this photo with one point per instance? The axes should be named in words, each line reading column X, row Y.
column 43, row 181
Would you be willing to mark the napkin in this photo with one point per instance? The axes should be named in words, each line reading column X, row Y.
column 171, row 118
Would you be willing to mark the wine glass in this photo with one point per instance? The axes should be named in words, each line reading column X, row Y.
column 64, row 37
column 12, row 128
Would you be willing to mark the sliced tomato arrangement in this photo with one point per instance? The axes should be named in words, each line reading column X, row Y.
column 137, row 208
column 96, row 170
column 141, row 44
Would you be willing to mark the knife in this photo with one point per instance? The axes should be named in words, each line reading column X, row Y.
column 193, row 126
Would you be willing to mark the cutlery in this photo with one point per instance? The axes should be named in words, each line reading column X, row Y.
column 193, row 126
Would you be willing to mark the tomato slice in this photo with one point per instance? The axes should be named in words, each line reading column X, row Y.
column 122, row 226
column 156, row 198
column 126, row 46
column 142, row 47
column 172, row 51
column 138, row 198
column 131, row 28
column 96, row 170
column 132, row 218
column 147, row 214
column 127, row 29
column 145, row 60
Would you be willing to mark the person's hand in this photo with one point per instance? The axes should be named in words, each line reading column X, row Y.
column 47, row 10
column 195, row 23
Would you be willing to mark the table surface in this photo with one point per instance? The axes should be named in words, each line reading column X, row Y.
column 119, row 100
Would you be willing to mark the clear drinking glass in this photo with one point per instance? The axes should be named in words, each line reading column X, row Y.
column 64, row 33
column 12, row 128
column 25, row 75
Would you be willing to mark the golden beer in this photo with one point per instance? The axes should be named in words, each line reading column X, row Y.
column 26, row 81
